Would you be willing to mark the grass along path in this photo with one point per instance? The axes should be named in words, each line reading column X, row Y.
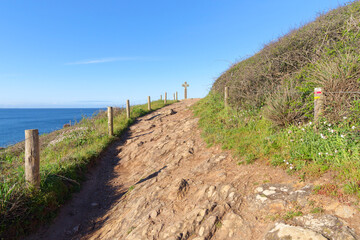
column 300, row 149
column 64, row 159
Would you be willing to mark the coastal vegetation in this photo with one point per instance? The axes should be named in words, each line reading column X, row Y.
column 271, row 98
column 65, row 157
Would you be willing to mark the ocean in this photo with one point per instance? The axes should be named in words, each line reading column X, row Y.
column 14, row 122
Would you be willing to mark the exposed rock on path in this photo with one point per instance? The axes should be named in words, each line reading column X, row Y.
column 162, row 182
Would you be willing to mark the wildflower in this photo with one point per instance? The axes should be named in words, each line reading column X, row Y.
column 284, row 160
column 342, row 136
column 310, row 123
column 326, row 153
column 329, row 124
column 289, row 131
column 322, row 136
column 291, row 140
column 320, row 153
column 303, row 129
column 301, row 139
column 287, row 163
column 332, row 130
column 336, row 151
column 291, row 167
column 353, row 127
column 344, row 117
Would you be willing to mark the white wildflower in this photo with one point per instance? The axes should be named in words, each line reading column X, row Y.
column 291, row 167
column 320, row 153
column 344, row 117
column 353, row 127
column 289, row 131
column 336, row 151
column 303, row 129
column 310, row 123
column 329, row 124
column 342, row 136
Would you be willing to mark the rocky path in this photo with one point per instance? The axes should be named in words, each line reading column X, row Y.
column 162, row 182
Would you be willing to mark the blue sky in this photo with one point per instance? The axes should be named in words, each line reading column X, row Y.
column 97, row 53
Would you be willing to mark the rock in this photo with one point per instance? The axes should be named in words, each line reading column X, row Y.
column 183, row 188
column 328, row 225
column 283, row 231
column 66, row 125
column 169, row 112
column 154, row 213
column 76, row 229
column 140, row 143
column 345, row 211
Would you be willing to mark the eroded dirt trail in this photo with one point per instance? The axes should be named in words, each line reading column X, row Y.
column 162, row 182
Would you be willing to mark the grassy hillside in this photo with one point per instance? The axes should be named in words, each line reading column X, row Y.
column 270, row 117
column 282, row 76
column 65, row 156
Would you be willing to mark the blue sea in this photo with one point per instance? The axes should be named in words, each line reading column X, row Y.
column 14, row 122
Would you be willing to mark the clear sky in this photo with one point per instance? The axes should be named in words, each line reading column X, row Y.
column 95, row 53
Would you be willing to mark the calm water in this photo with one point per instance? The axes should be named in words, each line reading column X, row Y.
column 13, row 122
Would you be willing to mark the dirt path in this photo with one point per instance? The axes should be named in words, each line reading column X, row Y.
column 162, row 182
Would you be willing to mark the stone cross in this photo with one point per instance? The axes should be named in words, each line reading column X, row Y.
column 185, row 85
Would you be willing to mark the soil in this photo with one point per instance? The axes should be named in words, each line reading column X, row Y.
column 161, row 181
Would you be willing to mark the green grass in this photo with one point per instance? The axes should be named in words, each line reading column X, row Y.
column 64, row 159
column 303, row 149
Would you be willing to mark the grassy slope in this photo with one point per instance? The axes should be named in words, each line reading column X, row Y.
column 65, row 156
column 270, row 117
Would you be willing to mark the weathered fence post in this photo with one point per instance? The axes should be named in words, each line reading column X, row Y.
column 176, row 96
column 160, row 97
column 226, row 96
column 185, row 85
column 110, row 121
column 149, row 103
column 32, row 158
column 318, row 103
column 127, row 108
column 165, row 98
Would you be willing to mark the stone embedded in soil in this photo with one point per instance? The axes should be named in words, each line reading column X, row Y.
column 329, row 226
column 268, row 194
column 345, row 211
column 183, row 188
column 283, row 231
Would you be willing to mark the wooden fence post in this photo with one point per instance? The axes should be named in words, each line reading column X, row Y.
column 226, row 96
column 160, row 97
column 149, row 103
column 110, row 121
column 176, row 96
column 127, row 108
column 165, row 99
column 318, row 103
column 32, row 158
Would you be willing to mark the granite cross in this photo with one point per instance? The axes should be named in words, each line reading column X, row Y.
column 185, row 85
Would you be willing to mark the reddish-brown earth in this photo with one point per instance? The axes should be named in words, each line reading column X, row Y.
column 161, row 181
